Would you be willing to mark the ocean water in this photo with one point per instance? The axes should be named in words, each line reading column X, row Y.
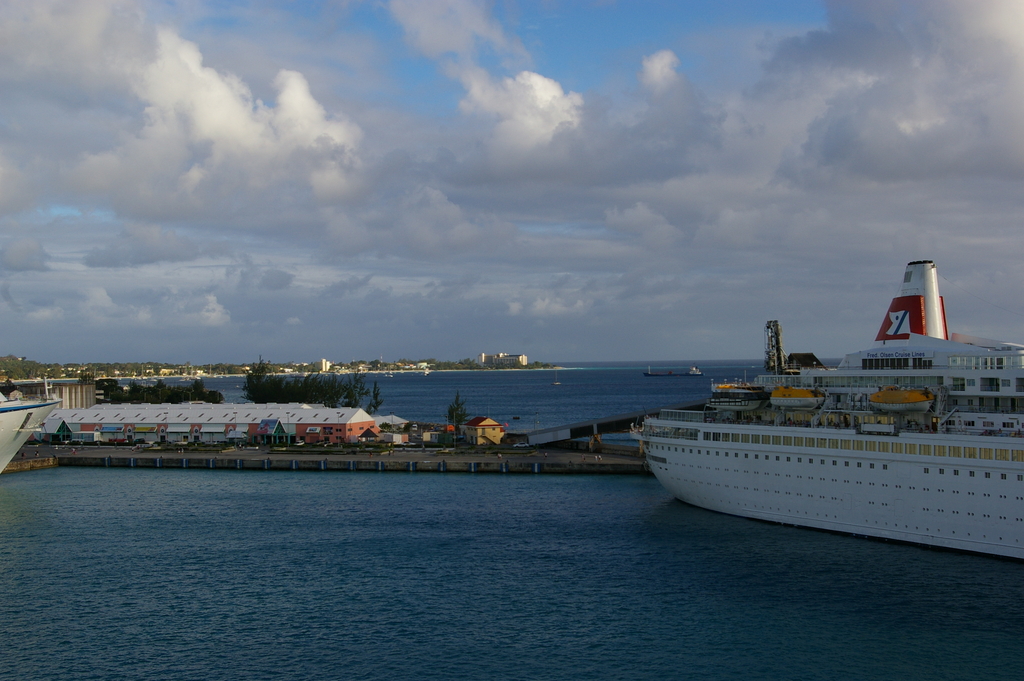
column 529, row 399
column 197, row 574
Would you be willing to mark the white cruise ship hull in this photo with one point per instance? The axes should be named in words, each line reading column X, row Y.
column 18, row 419
column 966, row 504
column 945, row 472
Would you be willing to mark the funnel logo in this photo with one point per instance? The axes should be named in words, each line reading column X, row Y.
column 899, row 322
column 905, row 316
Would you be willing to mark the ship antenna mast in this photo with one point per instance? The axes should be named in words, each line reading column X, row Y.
column 774, row 355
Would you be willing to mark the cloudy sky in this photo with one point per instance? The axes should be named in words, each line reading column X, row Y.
column 198, row 180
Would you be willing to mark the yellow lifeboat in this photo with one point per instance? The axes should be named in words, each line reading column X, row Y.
column 799, row 399
column 738, row 396
column 894, row 398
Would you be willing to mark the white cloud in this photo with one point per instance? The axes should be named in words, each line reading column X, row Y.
column 205, row 134
column 531, row 108
column 659, row 71
column 437, row 27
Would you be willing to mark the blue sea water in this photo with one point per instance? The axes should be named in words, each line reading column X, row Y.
column 198, row 574
column 583, row 392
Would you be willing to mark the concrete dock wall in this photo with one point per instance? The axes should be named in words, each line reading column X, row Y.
column 22, row 465
column 283, row 463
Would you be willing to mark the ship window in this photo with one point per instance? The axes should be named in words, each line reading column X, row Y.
column 746, row 437
column 1005, row 382
column 834, row 462
column 960, row 384
column 926, row 450
column 970, row 473
column 845, row 444
column 970, row 382
column 942, row 471
column 776, row 439
column 858, row 445
column 707, row 435
column 956, row 471
column 833, row 443
column 1017, row 455
column 985, row 453
column 970, row 452
column 716, row 437
column 1007, row 424
column 1020, row 385
column 897, row 447
column 777, row 458
column 883, row 446
column 846, row 463
column 885, row 466
column 987, row 474
column 735, row 455
column 940, row 450
column 746, row 455
column 798, row 442
column 956, row 452
column 871, row 446
column 798, row 459
column 926, row 470
column 787, row 458
column 911, row 448
column 787, row 440
column 871, row 465
column 858, row 464
column 1020, row 478
column 1002, row 476
column 822, row 443
column 735, row 437
column 756, row 439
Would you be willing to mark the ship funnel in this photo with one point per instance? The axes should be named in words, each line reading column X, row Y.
column 918, row 308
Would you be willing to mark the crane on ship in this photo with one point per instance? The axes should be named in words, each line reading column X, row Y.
column 774, row 355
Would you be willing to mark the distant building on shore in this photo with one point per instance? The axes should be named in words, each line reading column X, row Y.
column 322, row 366
column 502, row 359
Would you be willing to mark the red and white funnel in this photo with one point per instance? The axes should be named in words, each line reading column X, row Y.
column 918, row 308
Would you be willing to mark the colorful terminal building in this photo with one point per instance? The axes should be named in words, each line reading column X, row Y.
column 210, row 423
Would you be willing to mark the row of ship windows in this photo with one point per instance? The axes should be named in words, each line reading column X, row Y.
column 884, row 446
column 971, row 363
column 800, row 459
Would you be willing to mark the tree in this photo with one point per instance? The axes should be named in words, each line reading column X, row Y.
column 457, row 411
column 330, row 390
column 376, row 400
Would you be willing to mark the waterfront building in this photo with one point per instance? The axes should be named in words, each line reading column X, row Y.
column 502, row 359
column 483, row 430
column 209, row 423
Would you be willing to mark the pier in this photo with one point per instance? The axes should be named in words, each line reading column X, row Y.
column 618, row 423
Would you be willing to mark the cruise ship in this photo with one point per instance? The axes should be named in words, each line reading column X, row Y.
column 18, row 419
column 918, row 439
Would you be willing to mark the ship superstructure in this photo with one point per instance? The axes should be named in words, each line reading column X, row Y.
column 919, row 438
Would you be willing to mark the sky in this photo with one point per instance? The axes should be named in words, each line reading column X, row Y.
column 575, row 180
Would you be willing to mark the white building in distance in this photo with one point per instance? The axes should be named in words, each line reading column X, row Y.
column 502, row 359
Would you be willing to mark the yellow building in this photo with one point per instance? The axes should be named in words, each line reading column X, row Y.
column 482, row 430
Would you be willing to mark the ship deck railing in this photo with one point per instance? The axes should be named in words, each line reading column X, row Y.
column 911, row 427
